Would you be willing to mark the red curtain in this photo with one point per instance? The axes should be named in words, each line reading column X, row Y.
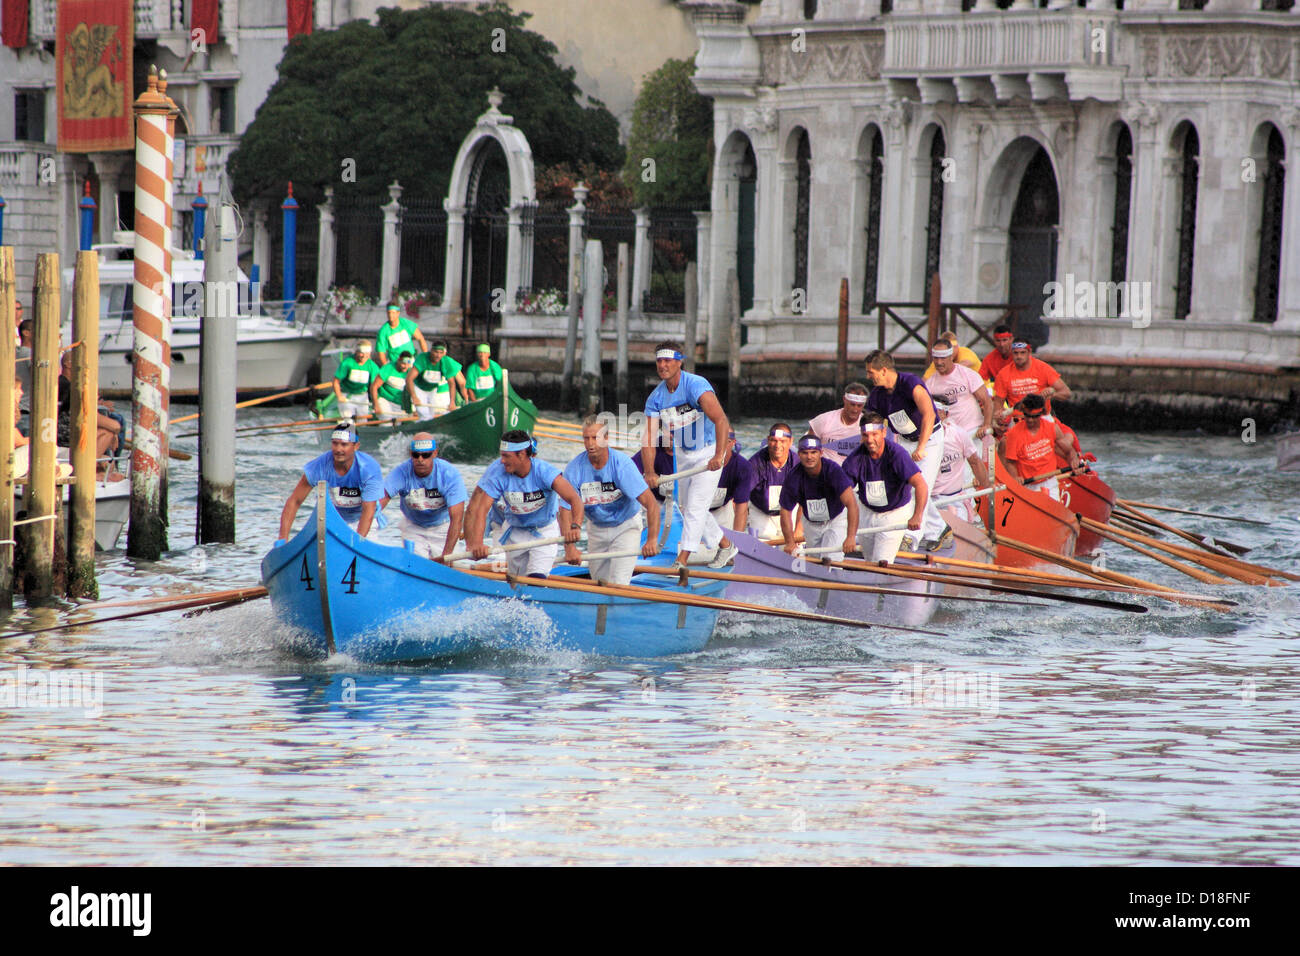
column 13, row 22
column 203, row 16
column 299, row 17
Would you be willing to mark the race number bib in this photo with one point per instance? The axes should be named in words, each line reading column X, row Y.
column 359, row 375
column 396, row 383
column 525, row 502
column 346, row 497
column 425, row 499
column 902, row 423
column 483, row 383
column 398, row 339
column 719, row 498
column 679, row 416
column 599, row 492
column 817, row 510
column 774, row 497
column 876, row 494
column 433, row 376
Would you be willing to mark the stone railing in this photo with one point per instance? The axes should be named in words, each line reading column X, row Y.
column 216, row 149
column 152, row 17
column 1001, row 41
column 20, row 163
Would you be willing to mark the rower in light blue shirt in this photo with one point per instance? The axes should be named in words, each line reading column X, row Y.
column 613, row 492
column 432, row 496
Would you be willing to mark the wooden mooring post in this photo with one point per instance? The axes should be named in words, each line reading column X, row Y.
column 85, row 431
column 842, row 341
column 37, row 529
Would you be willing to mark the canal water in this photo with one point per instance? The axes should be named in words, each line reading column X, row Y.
column 1062, row 736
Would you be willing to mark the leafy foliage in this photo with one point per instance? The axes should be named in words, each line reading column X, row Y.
column 673, row 125
column 399, row 96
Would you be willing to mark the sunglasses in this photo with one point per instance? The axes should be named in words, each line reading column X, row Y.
column 421, row 454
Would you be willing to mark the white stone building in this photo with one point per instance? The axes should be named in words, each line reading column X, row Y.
column 1006, row 147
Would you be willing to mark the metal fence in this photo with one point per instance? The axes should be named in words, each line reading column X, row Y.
column 549, row 224
column 359, row 232
column 672, row 242
column 424, row 245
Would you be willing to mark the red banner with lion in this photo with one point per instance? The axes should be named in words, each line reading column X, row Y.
column 93, row 50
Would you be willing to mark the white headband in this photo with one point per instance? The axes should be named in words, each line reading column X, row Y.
column 855, row 398
column 872, row 427
column 778, row 433
column 668, row 354
column 941, row 351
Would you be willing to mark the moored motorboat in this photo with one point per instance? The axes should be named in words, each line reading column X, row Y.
column 379, row 603
column 753, row 557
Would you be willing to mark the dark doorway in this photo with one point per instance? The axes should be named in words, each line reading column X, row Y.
column 486, row 235
column 748, row 175
column 1032, row 253
column 1268, row 269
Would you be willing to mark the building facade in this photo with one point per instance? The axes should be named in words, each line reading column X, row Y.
column 1118, row 173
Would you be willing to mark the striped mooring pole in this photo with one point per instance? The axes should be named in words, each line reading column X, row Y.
column 87, row 207
column 147, row 531
column 2, row 220
column 289, row 261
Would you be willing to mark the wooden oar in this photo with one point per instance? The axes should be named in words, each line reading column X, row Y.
column 1122, row 538
column 1003, row 573
column 1240, row 570
column 698, row 600
column 1184, row 511
column 818, row 585
column 258, row 429
column 557, row 423
column 614, row 441
column 518, row 546
column 259, row 401
column 904, row 571
column 253, row 593
column 1115, row 576
column 1199, row 540
column 164, row 598
column 669, row 479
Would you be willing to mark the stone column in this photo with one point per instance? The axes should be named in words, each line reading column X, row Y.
column 326, row 253
column 455, row 259
column 641, row 260
column 703, row 234
column 110, row 168
column 261, row 241
column 514, row 255
column 1144, row 239
column 767, row 218
column 391, row 264
column 895, row 223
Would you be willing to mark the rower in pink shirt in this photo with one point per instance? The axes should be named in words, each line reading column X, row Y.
column 838, row 428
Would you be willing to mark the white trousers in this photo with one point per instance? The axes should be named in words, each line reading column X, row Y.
column 431, row 403
column 932, row 523
column 694, row 495
column 386, row 410
column 725, row 516
column 428, row 542
column 963, row 509
column 354, row 408
column 534, row 560
column 884, row 546
column 825, row 534
column 616, row 537
column 763, row 525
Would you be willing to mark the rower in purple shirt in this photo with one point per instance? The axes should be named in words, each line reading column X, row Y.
column 902, row 399
column 891, row 487
column 824, row 494
column 772, row 466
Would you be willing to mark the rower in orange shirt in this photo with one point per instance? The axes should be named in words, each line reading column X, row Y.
column 1000, row 357
column 1027, row 375
column 1031, row 446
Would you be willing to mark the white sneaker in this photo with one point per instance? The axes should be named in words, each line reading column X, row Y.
column 907, row 544
column 724, row 557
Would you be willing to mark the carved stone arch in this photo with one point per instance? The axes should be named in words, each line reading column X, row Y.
column 491, row 130
column 735, row 216
column 1263, row 178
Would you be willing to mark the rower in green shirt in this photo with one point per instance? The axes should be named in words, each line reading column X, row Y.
column 430, row 382
column 484, row 375
column 352, row 382
column 388, row 389
column 396, row 335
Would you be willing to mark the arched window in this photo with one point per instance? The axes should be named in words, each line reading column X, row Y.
column 876, row 174
column 1187, row 176
column 1269, row 267
column 803, row 195
column 1123, row 191
column 934, row 221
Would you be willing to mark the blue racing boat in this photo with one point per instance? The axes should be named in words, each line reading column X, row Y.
column 383, row 604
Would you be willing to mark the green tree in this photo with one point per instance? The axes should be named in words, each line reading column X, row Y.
column 672, row 125
column 397, row 97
